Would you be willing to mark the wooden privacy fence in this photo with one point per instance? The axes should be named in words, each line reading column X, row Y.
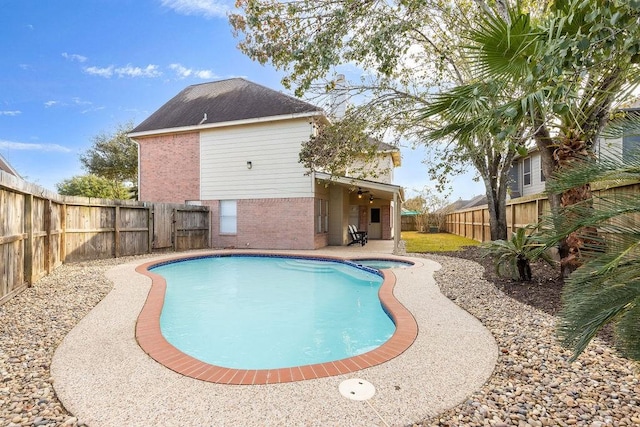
column 474, row 222
column 39, row 230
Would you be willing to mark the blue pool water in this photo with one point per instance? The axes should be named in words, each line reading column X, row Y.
column 249, row 312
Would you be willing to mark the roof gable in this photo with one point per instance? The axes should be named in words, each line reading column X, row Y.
column 223, row 101
column 5, row 166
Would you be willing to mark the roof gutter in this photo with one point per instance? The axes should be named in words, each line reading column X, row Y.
column 184, row 129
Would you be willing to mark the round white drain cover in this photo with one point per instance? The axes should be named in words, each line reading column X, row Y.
column 357, row 389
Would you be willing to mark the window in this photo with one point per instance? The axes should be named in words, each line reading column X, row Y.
column 630, row 144
column 526, row 171
column 228, row 216
column 542, row 177
column 322, row 216
column 375, row 215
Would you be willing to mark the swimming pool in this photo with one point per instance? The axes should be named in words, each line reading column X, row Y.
column 150, row 338
column 256, row 312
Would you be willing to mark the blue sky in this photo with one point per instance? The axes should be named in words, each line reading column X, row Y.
column 72, row 69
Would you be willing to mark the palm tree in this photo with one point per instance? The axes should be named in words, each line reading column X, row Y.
column 606, row 287
column 490, row 141
column 566, row 71
column 514, row 256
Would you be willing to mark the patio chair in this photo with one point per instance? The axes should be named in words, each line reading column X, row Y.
column 357, row 236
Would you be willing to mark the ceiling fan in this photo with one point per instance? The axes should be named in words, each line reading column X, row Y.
column 361, row 192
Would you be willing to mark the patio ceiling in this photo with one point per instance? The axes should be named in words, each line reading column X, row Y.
column 377, row 189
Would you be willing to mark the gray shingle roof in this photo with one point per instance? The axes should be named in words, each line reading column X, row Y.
column 5, row 166
column 223, row 101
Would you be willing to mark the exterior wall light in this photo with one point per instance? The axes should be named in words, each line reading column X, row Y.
column 249, row 165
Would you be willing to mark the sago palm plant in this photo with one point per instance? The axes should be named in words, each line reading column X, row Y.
column 513, row 257
column 606, row 287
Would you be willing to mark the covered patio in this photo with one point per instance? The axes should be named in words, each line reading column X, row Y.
column 371, row 206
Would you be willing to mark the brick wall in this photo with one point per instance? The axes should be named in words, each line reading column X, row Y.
column 385, row 213
column 170, row 168
column 285, row 223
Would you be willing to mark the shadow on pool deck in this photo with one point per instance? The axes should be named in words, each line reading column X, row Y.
column 103, row 377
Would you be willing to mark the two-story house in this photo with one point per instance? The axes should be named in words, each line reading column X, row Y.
column 526, row 177
column 234, row 145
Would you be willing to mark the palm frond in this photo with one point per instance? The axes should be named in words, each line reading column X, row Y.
column 505, row 49
column 606, row 288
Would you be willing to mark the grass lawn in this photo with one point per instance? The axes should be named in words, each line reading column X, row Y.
column 435, row 242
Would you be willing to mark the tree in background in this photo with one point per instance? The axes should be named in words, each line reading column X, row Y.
column 568, row 71
column 93, row 186
column 407, row 50
column 340, row 148
column 112, row 166
column 431, row 206
column 114, row 157
column 419, row 205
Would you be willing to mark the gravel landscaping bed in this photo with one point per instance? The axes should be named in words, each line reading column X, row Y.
column 532, row 385
column 32, row 325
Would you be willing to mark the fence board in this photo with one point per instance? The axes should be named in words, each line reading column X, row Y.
column 162, row 226
column 39, row 230
column 474, row 222
column 191, row 229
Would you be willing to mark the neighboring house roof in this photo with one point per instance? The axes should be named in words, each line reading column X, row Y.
column 475, row 201
column 407, row 212
column 237, row 99
column 464, row 204
column 5, row 166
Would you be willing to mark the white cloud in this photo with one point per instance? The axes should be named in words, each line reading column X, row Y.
column 11, row 145
column 78, row 101
column 126, row 71
column 205, row 74
column 10, row 113
column 180, row 70
column 206, row 8
column 97, row 71
column 129, row 71
column 74, row 57
column 184, row 72
column 51, row 103
column 92, row 109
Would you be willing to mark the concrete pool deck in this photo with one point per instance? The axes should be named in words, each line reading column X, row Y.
column 104, row 378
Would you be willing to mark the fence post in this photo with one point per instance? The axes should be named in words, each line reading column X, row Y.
column 28, row 242
column 150, row 225
column 116, row 232
column 63, row 232
column 47, row 237
column 174, row 218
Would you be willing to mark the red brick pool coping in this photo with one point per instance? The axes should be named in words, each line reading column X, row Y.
column 151, row 340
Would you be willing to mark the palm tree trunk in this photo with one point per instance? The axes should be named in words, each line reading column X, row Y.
column 555, row 157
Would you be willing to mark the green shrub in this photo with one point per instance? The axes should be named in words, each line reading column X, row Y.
column 513, row 257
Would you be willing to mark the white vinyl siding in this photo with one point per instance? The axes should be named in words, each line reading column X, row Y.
column 271, row 147
column 379, row 169
column 609, row 148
